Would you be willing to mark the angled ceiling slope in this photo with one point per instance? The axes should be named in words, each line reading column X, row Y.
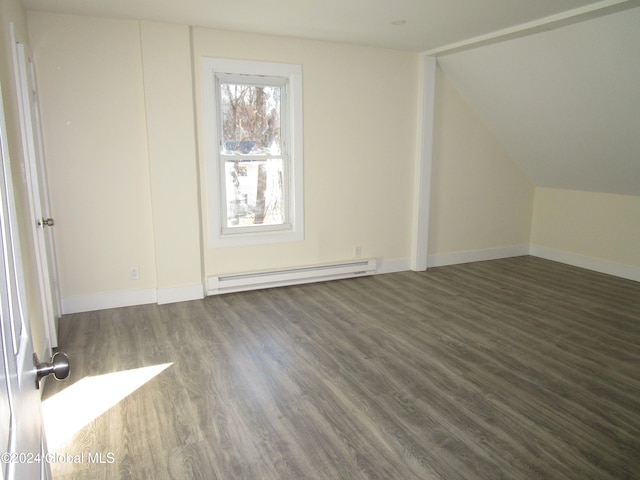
column 565, row 103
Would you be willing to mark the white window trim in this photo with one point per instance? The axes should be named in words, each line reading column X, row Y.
column 210, row 67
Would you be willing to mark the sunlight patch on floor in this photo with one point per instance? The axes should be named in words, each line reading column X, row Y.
column 76, row 406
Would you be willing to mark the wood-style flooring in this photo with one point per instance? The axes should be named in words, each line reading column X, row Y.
column 511, row 369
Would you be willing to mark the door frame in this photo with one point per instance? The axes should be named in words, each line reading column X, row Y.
column 35, row 179
column 25, row 455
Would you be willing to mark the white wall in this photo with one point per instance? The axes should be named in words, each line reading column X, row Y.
column 92, row 104
column 481, row 202
column 359, row 140
column 119, row 134
column 600, row 231
column 565, row 104
column 168, row 92
column 118, row 126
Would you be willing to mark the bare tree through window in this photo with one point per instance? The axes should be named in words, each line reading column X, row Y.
column 253, row 153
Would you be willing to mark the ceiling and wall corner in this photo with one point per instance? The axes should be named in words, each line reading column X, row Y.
column 413, row 25
column 565, row 103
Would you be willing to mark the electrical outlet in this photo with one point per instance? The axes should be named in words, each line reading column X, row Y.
column 134, row 272
column 357, row 251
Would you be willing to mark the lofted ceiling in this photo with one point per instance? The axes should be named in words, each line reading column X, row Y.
column 429, row 23
column 565, row 103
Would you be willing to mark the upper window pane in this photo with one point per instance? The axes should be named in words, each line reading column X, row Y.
column 250, row 119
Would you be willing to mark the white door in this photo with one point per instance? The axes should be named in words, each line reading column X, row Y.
column 23, row 445
column 35, row 173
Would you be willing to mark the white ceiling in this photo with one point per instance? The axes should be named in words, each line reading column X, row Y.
column 429, row 23
column 564, row 103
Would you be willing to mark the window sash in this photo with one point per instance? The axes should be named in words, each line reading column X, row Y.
column 273, row 227
column 223, row 158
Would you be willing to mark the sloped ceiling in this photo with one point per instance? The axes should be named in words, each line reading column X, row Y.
column 565, row 103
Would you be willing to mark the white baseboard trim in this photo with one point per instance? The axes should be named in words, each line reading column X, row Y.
column 393, row 266
column 454, row 258
column 104, row 301
column 180, row 294
column 590, row 263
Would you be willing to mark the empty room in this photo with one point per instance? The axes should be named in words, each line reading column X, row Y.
column 320, row 240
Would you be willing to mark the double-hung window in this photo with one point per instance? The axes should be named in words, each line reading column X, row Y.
column 253, row 129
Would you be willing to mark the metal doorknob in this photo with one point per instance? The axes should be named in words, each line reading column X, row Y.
column 58, row 365
column 46, row 222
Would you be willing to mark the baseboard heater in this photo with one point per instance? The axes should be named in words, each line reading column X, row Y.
column 290, row 276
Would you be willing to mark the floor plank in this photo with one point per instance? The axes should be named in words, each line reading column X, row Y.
column 518, row 369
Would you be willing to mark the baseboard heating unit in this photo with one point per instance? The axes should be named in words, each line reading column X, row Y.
column 292, row 276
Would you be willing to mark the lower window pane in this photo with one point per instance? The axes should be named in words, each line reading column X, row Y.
column 254, row 192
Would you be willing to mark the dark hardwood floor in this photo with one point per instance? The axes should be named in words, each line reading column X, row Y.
column 511, row 369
